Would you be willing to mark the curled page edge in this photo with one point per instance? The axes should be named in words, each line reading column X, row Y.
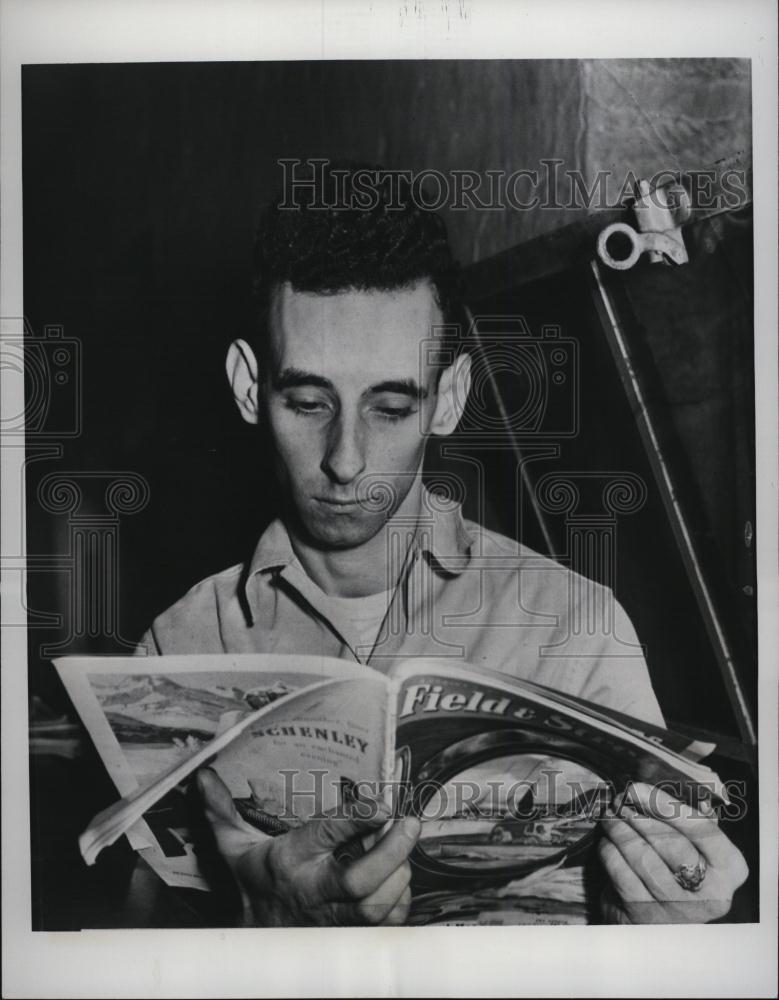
column 698, row 749
column 140, row 836
column 109, row 824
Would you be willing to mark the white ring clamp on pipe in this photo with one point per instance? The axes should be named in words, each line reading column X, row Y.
column 636, row 246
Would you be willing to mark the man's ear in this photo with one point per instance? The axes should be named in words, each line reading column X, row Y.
column 243, row 376
column 453, row 388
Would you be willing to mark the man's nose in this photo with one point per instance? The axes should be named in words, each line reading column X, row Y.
column 345, row 456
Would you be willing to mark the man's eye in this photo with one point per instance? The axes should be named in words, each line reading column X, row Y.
column 393, row 413
column 307, row 407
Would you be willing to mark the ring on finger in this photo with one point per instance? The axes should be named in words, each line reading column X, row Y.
column 690, row 877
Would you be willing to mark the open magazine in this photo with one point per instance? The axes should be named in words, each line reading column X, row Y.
column 508, row 777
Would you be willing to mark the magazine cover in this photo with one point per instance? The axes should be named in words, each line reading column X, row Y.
column 508, row 780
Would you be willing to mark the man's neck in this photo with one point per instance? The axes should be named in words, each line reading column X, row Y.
column 368, row 568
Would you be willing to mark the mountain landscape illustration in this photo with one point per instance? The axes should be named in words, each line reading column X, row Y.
column 142, row 707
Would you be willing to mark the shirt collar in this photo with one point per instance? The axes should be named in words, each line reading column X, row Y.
column 273, row 551
column 441, row 534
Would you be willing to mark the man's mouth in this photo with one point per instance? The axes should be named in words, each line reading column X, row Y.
column 343, row 506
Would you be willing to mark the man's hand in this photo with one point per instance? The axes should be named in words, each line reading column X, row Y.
column 641, row 852
column 294, row 880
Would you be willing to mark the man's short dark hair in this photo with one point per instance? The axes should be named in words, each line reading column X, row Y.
column 333, row 239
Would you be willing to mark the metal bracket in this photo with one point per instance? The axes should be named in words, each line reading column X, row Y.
column 659, row 213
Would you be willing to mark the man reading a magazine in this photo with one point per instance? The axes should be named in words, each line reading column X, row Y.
column 356, row 363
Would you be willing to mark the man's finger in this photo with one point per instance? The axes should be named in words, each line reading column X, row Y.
column 676, row 850
column 324, row 834
column 642, row 859
column 398, row 915
column 626, row 883
column 376, row 907
column 693, row 824
column 233, row 834
column 367, row 873
column 673, row 847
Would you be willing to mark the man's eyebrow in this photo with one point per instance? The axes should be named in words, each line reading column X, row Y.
column 290, row 378
column 403, row 386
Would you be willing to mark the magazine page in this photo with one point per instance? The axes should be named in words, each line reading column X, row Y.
column 432, row 686
column 307, row 754
column 155, row 720
column 510, row 783
column 676, row 743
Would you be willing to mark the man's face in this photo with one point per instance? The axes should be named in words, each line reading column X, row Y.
column 349, row 403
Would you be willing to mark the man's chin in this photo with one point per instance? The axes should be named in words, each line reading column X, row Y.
column 343, row 531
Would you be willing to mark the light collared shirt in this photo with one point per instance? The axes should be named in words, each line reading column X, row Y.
column 459, row 591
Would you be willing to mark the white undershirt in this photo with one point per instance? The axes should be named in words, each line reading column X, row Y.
column 357, row 618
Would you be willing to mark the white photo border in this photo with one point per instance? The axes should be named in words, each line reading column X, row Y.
column 722, row 960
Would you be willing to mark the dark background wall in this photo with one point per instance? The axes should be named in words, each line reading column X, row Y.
column 142, row 187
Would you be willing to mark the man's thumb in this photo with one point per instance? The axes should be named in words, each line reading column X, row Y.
column 333, row 829
column 233, row 834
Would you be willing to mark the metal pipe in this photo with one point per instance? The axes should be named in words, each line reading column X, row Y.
column 624, row 362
